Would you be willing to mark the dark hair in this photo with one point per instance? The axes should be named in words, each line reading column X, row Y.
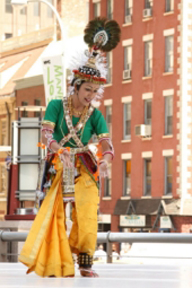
column 77, row 85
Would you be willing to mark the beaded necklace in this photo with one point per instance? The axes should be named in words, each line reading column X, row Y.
column 83, row 115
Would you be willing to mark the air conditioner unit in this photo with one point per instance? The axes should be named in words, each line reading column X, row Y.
column 128, row 19
column 126, row 74
column 143, row 130
column 147, row 12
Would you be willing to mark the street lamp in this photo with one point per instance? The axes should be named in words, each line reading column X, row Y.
column 63, row 34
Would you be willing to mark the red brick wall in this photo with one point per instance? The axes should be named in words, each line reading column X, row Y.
column 136, row 88
column 29, row 95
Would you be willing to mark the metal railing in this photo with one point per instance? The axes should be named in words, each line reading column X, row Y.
column 108, row 238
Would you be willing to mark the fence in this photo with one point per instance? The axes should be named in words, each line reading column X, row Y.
column 107, row 238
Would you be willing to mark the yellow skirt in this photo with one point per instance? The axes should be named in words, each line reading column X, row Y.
column 47, row 249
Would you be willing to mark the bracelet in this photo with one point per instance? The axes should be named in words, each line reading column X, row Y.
column 108, row 152
column 107, row 139
column 47, row 129
column 61, row 150
column 51, row 143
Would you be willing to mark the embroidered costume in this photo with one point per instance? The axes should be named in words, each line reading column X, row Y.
column 48, row 250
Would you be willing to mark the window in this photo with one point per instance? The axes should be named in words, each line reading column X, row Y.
column 3, row 133
column 36, row 9
column 127, row 177
column 23, row 11
column 148, row 4
column 96, row 9
column 109, row 64
column 24, row 113
column 148, row 58
column 127, row 121
column 128, row 7
column 169, row 5
column 128, row 11
column 8, row 35
column 169, row 56
column 37, row 103
column 168, row 175
column 107, row 184
column 147, row 177
column 2, row 179
column 148, row 108
column 127, row 57
column 109, row 118
column 110, row 9
column 8, row 6
column 169, row 115
column 49, row 10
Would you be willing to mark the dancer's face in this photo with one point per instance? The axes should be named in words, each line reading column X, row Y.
column 87, row 93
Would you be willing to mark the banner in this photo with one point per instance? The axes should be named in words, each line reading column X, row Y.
column 53, row 77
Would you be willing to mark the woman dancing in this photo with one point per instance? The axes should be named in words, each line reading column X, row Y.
column 71, row 172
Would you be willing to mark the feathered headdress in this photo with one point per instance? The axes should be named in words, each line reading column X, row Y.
column 101, row 35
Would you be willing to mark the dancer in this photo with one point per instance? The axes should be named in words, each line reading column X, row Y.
column 71, row 172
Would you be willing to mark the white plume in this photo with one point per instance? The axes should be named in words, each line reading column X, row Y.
column 78, row 61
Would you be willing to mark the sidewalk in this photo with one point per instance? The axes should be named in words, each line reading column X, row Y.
column 142, row 274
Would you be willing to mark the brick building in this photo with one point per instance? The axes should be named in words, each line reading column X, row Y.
column 17, row 21
column 30, row 31
column 148, row 107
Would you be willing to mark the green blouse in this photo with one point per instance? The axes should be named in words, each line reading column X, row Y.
column 54, row 116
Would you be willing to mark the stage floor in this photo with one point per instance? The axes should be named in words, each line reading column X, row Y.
column 139, row 275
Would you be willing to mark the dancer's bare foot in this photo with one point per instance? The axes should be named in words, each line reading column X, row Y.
column 88, row 272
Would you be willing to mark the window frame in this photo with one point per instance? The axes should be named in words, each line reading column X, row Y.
column 167, row 98
column 166, row 175
column 24, row 113
column 125, row 105
column 128, row 8
column 8, row 35
column 111, row 10
column 96, row 8
column 127, row 53
column 146, row 101
column 8, row 7
column 169, row 54
column 146, row 160
column 169, row 3
column 148, row 62
column 23, row 11
column 35, row 9
column 37, row 114
column 125, row 178
column 148, row 4
column 3, row 136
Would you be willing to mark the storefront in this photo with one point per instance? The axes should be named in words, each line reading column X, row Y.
column 146, row 215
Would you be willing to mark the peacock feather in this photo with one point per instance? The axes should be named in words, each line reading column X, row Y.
column 102, row 33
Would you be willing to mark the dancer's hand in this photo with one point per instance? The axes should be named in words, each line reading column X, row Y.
column 103, row 169
column 65, row 158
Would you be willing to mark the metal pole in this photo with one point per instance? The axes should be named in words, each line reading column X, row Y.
column 12, row 236
column 117, row 237
column 109, row 250
column 151, row 237
column 3, row 249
